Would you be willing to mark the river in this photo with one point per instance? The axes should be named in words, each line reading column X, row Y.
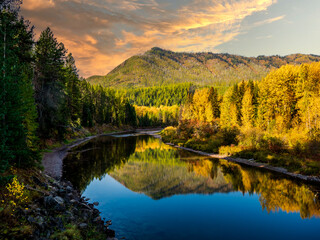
column 153, row 191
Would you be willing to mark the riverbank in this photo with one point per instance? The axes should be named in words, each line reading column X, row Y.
column 52, row 161
column 51, row 208
column 249, row 162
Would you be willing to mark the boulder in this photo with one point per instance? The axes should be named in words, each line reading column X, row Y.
column 55, row 203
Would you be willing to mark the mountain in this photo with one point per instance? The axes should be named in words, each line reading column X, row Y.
column 158, row 67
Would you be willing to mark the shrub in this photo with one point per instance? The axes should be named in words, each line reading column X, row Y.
column 250, row 138
column 16, row 194
column 185, row 129
column 273, row 144
column 169, row 133
column 204, row 130
column 229, row 135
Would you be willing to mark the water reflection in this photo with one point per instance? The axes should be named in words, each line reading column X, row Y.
column 144, row 164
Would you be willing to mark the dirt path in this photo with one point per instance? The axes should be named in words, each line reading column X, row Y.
column 53, row 161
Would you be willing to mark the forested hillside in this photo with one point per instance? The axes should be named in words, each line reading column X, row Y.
column 158, row 67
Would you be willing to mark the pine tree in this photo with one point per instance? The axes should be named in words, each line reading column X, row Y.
column 214, row 100
column 49, row 85
column 73, row 94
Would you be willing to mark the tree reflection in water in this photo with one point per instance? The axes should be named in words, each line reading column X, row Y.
column 144, row 164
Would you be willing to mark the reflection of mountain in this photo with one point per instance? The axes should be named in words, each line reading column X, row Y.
column 169, row 176
column 144, row 164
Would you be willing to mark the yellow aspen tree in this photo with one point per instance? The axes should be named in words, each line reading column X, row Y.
column 247, row 109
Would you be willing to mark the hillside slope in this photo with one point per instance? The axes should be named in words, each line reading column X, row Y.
column 158, row 67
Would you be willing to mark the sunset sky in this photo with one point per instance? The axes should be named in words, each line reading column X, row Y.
column 103, row 33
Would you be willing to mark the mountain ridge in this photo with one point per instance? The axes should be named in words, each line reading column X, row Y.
column 159, row 67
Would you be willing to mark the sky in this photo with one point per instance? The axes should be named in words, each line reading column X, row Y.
column 101, row 34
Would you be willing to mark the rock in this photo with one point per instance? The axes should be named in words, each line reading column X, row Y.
column 59, row 200
column 62, row 192
column 56, row 203
column 73, row 201
column 85, row 206
column 70, row 195
column 69, row 189
column 110, row 233
column 96, row 212
column 97, row 219
column 108, row 223
column 67, row 203
column 48, row 201
column 31, row 219
column 40, row 222
column 86, row 214
column 83, row 225
column 68, row 183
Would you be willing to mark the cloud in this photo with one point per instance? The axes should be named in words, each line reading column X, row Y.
column 270, row 20
column 103, row 33
column 264, row 37
column 39, row 4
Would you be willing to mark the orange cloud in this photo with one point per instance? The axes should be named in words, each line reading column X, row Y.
column 32, row 4
column 103, row 33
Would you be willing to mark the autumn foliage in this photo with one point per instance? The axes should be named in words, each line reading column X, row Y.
column 269, row 120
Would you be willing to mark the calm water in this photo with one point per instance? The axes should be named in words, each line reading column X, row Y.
column 152, row 191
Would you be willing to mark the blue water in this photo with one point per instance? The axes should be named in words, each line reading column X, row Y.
column 200, row 206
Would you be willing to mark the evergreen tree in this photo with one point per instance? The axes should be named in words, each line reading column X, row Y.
column 18, row 144
column 214, row 100
column 73, row 94
column 49, row 85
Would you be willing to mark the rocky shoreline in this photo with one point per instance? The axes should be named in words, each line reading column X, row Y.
column 60, row 211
